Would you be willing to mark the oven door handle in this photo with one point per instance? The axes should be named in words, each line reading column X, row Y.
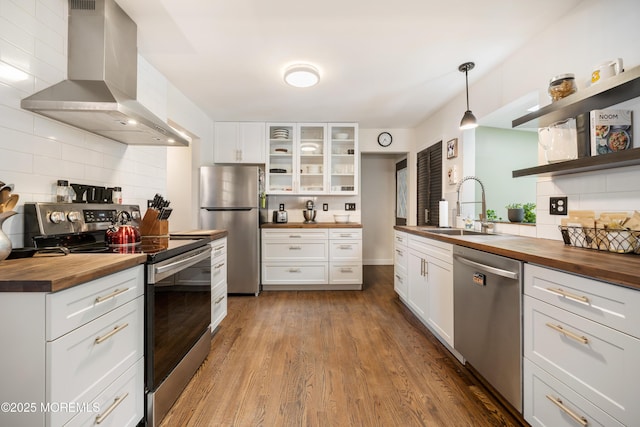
column 174, row 267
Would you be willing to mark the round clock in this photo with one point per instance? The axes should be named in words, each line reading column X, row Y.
column 384, row 139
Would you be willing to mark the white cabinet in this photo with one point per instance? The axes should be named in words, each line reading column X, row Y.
column 82, row 346
column 239, row 142
column 218, row 282
column 401, row 259
column 583, row 334
column 429, row 287
column 312, row 158
column 311, row 258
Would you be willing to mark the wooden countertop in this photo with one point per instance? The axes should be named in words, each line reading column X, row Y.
column 193, row 234
column 45, row 273
column 314, row 225
column 621, row 269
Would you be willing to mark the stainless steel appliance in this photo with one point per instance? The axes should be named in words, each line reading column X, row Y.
column 309, row 213
column 229, row 197
column 177, row 289
column 488, row 318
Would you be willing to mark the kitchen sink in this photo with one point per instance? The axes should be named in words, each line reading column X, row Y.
column 456, row 232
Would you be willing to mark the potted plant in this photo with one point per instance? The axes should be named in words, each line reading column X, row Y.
column 529, row 213
column 515, row 212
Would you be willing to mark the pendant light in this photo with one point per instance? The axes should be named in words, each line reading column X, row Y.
column 468, row 120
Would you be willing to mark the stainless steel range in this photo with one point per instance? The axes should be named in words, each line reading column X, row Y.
column 177, row 290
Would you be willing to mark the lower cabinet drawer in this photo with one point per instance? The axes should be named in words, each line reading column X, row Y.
column 120, row 404
column 295, row 274
column 300, row 251
column 597, row 362
column 218, row 271
column 548, row 402
column 400, row 256
column 218, row 306
column 345, row 250
column 400, row 281
column 85, row 361
column 345, row 273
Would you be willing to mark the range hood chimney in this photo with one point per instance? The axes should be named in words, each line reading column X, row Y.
column 100, row 93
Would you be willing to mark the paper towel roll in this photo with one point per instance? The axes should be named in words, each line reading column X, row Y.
column 443, row 213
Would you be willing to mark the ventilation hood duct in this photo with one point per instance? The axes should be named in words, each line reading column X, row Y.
column 100, row 93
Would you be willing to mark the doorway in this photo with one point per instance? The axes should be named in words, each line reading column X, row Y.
column 429, row 184
column 402, row 192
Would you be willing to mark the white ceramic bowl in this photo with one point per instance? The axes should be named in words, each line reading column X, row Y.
column 341, row 219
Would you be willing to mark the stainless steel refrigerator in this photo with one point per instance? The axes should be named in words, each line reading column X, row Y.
column 229, row 200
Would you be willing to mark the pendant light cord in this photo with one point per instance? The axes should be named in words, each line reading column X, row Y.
column 466, row 79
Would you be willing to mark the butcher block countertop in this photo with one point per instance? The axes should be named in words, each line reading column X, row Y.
column 314, row 225
column 45, row 273
column 621, row 269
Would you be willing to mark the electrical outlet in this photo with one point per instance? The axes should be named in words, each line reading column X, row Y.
column 558, row 205
column 281, row 207
column 325, row 207
column 349, row 206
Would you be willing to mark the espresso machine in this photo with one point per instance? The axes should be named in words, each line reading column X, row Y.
column 310, row 213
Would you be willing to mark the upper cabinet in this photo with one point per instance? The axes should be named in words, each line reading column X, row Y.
column 611, row 91
column 312, row 158
column 239, row 142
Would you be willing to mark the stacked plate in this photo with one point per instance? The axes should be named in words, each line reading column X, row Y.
column 280, row 133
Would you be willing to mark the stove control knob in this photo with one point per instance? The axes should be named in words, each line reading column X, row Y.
column 74, row 216
column 56, row 217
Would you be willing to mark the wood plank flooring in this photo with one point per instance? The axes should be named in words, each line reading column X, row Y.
column 331, row 358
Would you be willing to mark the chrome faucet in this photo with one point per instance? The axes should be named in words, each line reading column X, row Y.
column 483, row 214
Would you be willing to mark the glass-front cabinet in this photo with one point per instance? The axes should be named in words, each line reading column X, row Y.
column 343, row 161
column 312, row 158
column 281, row 158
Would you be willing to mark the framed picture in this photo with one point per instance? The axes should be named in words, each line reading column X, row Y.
column 452, row 148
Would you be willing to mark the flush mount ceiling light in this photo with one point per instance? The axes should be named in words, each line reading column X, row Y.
column 468, row 120
column 301, row 75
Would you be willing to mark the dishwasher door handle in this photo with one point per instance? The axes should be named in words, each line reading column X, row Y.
column 486, row 268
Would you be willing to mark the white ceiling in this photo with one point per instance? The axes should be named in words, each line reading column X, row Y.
column 383, row 64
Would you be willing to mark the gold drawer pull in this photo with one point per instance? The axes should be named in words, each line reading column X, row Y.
column 114, row 331
column 580, row 420
column 219, row 266
column 118, row 400
column 346, row 270
column 294, row 270
column 295, row 248
column 111, row 295
column 346, row 247
column 294, row 236
column 218, row 300
column 345, row 235
column 583, row 340
column 569, row 295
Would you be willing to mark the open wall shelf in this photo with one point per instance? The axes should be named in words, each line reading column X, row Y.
column 610, row 92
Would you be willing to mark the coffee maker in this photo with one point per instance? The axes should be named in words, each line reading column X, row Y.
column 309, row 213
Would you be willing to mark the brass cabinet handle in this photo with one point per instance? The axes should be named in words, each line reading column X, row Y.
column 294, row 270
column 569, row 295
column 111, row 295
column 580, row 420
column 294, row 236
column 295, row 248
column 346, row 247
column 219, row 266
column 583, row 340
column 218, row 300
column 346, row 270
column 346, row 235
column 118, row 400
column 111, row 333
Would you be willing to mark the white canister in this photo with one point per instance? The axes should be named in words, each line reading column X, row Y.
column 606, row 69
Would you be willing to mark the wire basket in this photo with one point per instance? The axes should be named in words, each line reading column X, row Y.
column 601, row 239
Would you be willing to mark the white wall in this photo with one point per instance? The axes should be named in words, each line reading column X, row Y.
column 574, row 44
column 35, row 152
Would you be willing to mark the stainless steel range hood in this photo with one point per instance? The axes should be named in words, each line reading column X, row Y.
column 100, row 93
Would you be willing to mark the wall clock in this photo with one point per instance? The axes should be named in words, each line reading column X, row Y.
column 384, row 139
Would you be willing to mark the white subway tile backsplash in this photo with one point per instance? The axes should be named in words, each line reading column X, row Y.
column 15, row 161
column 17, row 119
column 11, row 33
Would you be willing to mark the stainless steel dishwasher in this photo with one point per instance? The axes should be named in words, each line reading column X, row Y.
column 488, row 318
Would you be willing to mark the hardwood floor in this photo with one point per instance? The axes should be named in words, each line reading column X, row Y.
column 331, row 358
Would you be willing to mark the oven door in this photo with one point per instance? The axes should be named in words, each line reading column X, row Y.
column 178, row 310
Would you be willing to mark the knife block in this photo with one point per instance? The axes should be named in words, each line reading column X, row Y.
column 152, row 226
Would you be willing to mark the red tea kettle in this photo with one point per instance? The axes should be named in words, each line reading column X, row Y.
column 120, row 233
